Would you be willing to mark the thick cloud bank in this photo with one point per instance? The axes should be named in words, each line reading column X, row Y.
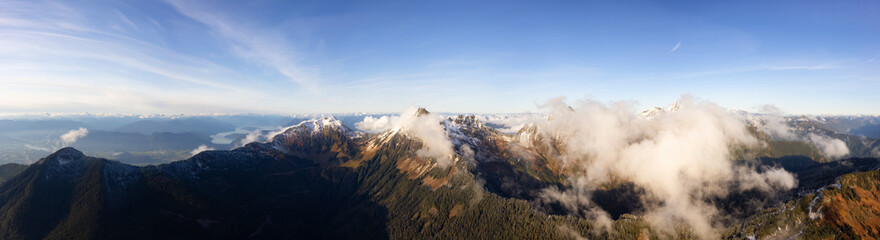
column 70, row 137
column 424, row 126
column 681, row 158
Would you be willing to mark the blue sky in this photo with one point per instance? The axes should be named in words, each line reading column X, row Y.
column 806, row 57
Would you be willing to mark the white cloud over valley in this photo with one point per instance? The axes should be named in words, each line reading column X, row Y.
column 71, row 136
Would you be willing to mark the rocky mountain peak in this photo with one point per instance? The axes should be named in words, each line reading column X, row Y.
column 65, row 155
column 466, row 120
column 421, row 112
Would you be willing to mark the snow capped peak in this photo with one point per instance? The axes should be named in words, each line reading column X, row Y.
column 317, row 125
column 471, row 137
column 466, row 120
column 309, row 129
column 651, row 113
column 673, row 107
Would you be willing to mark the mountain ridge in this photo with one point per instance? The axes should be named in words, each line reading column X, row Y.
column 322, row 180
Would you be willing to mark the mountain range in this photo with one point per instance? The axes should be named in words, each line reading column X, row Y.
column 438, row 177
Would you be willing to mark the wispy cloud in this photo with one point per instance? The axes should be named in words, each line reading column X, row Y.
column 126, row 20
column 264, row 47
column 752, row 68
column 800, row 67
column 677, row 45
column 65, row 57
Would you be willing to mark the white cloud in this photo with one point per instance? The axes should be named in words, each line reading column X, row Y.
column 768, row 180
column 511, row 123
column 679, row 157
column 772, row 123
column 256, row 135
column 38, row 148
column 71, row 136
column 830, row 147
column 677, row 45
column 426, row 128
column 199, row 149
column 373, row 125
column 261, row 135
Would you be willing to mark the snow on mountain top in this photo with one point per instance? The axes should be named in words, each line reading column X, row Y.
column 321, row 123
column 315, row 126
column 454, row 131
column 309, row 127
column 650, row 113
column 673, row 107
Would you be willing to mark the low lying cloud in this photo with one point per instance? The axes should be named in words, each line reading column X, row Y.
column 424, row 126
column 38, row 148
column 70, row 137
column 830, row 147
column 509, row 123
column 261, row 135
column 199, row 149
column 565, row 230
column 680, row 158
column 771, row 179
column 773, row 124
column 256, row 135
column 579, row 198
column 374, row 125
